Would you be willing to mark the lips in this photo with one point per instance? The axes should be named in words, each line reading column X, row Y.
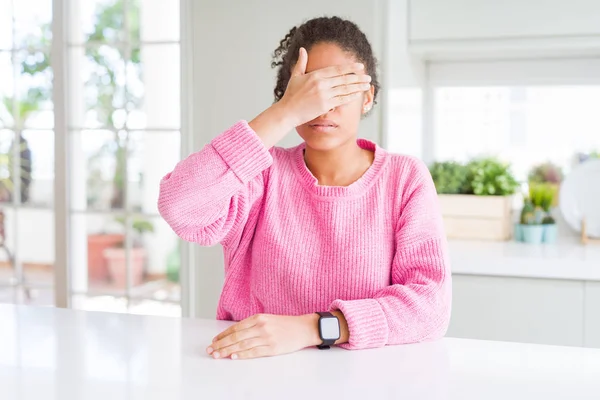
column 323, row 126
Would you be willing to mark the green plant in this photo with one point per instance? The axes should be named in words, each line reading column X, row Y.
column 449, row 177
column 490, row 177
column 113, row 98
column 542, row 198
column 17, row 109
column 528, row 213
column 546, row 173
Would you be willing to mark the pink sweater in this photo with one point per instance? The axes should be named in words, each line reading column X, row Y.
column 374, row 250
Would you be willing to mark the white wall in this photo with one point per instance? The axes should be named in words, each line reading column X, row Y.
column 480, row 19
column 233, row 79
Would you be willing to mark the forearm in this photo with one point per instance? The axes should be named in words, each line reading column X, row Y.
column 272, row 124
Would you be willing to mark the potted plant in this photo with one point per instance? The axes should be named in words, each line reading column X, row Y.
column 531, row 229
column 536, row 223
column 544, row 195
column 550, row 174
column 116, row 257
column 475, row 198
column 449, row 177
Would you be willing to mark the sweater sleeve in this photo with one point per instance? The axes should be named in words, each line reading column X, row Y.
column 416, row 306
column 206, row 199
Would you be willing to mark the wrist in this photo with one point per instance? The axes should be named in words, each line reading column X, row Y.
column 311, row 322
column 282, row 114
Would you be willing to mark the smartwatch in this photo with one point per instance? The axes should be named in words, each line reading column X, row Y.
column 329, row 329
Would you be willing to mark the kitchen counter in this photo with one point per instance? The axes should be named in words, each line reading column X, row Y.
column 567, row 260
column 48, row 353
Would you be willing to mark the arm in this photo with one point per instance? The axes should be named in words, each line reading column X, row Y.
column 207, row 197
column 416, row 306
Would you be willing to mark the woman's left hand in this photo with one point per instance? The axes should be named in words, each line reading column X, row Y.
column 265, row 335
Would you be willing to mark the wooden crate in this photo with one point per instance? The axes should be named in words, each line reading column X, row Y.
column 477, row 217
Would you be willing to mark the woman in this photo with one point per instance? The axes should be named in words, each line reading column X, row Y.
column 336, row 224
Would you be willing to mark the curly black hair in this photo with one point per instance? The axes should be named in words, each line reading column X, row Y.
column 341, row 32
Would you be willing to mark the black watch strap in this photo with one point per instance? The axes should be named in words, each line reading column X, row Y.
column 327, row 343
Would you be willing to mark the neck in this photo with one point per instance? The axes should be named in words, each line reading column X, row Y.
column 340, row 166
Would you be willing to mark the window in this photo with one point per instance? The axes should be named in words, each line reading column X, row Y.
column 26, row 153
column 124, row 131
column 123, row 116
column 525, row 125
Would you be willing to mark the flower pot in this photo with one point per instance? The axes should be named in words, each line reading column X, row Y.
column 518, row 233
column 550, row 233
column 476, row 217
column 97, row 268
column 533, row 234
column 117, row 267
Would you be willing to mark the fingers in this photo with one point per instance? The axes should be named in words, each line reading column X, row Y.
column 239, row 347
column 240, row 326
column 348, row 79
column 337, row 70
column 234, row 338
column 344, row 90
column 300, row 67
column 256, row 352
column 345, row 99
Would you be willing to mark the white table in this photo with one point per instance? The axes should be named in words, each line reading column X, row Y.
column 60, row 354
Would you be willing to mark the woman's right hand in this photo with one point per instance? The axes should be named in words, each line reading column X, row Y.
column 309, row 95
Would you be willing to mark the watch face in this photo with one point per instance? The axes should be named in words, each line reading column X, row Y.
column 330, row 328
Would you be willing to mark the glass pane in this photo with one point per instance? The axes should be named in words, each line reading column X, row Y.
column 97, row 170
column 151, row 156
column 6, row 24
column 34, row 90
column 153, row 87
column 98, row 77
column 94, row 238
column 9, row 183
column 524, row 125
column 37, row 186
column 32, row 20
column 7, row 88
column 6, row 166
column 155, row 260
column 35, row 245
column 27, row 251
column 96, row 21
column 153, row 14
column 7, row 246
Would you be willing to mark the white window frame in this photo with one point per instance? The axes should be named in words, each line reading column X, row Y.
column 62, row 209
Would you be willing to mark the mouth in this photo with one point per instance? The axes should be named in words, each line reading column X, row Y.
column 324, row 127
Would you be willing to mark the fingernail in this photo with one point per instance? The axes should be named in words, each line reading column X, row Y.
column 361, row 65
column 234, row 356
column 216, row 354
column 209, row 350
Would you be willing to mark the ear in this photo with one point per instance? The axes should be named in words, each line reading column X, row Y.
column 368, row 98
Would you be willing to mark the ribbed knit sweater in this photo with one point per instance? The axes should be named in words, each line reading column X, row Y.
column 375, row 250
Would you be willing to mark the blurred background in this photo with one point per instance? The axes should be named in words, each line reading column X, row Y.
column 101, row 98
column 121, row 111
